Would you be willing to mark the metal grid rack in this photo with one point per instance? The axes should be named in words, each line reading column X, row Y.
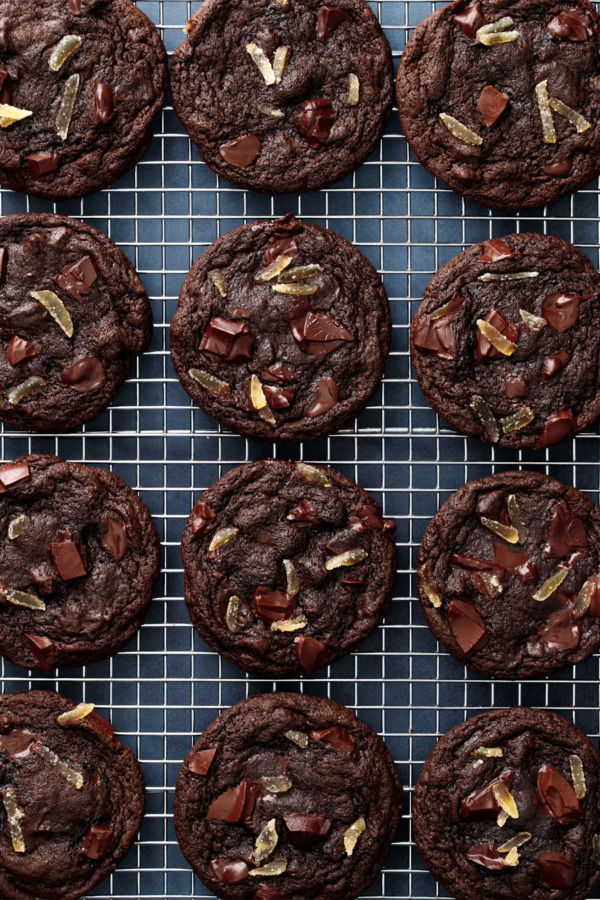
column 166, row 686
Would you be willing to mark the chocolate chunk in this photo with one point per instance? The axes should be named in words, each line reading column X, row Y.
column 265, row 892
column 481, row 805
column 203, row 516
column 278, row 397
column 560, row 169
column 229, row 807
column 115, row 539
column 561, row 310
column 327, row 397
column 354, row 585
column 566, row 534
column 366, row 518
column 241, row 151
column 515, row 387
column 273, row 606
column 572, row 25
column 43, row 651
column 511, row 332
column 41, row 164
column 230, row 342
column 557, row 427
column 19, row 349
column 77, row 278
column 555, row 363
column 12, row 474
column 328, row 20
column 249, row 802
column 100, row 725
column 306, row 829
column 316, row 332
column 470, row 19
column 317, row 120
column 557, row 796
column 85, row 376
column 491, row 104
column 495, row 250
column 467, row 626
column 557, row 869
column 97, row 843
column 436, row 335
column 561, row 632
column 17, row 743
column 3, row 258
column 311, row 654
column 103, row 102
column 337, row 736
column 75, row 6
column 304, row 512
column 280, row 245
column 201, row 761
column 229, row 871
column 277, row 373
column 486, row 855
column 67, row 560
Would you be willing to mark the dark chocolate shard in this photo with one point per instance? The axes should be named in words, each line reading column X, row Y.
column 115, row 538
column 43, row 651
column 327, row 397
column 103, row 102
column 41, row 164
column 470, row 19
column 67, row 560
column 311, row 653
column 316, row 333
column 97, row 842
column 491, row 104
column 19, row 349
column 317, row 120
column 571, row 25
column 77, row 279
column 557, row 428
column 329, row 18
column 226, row 341
column 85, row 376
column 467, row 626
column 241, row 151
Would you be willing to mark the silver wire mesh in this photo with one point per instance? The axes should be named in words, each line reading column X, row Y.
column 166, row 686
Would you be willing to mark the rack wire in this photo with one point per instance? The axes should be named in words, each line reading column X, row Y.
column 166, row 686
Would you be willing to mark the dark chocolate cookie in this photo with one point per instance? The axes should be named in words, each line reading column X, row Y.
column 508, row 575
column 72, row 797
column 283, row 96
column 73, row 315
column 287, row 797
column 501, row 100
column 507, row 806
column 79, row 556
column 80, row 82
column 506, row 344
column 288, row 566
column 282, row 331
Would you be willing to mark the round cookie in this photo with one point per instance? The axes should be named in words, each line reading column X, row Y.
column 74, row 792
column 508, row 575
column 474, row 82
column 73, row 315
column 538, row 763
column 81, row 81
column 294, row 784
column 288, row 566
column 283, row 96
column 291, row 356
column 505, row 344
column 79, row 556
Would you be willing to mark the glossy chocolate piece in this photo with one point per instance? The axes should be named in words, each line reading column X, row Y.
column 229, row 806
column 561, row 310
column 273, row 606
column 241, row 151
column 311, row 653
column 557, row 796
column 557, row 428
column 486, row 855
column 85, row 376
column 203, row 516
column 436, row 335
column 491, row 104
column 304, row 513
column 481, row 805
column 12, row 474
column 201, row 761
column 571, row 25
column 18, row 742
column 495, row 250
column 97, row 842
column 566, row 534
column 317, row 120
column 316, row 332
column 557, row 870
column 555, row 363
column 306, row 829
column 115, row 538
column 515, row 387
column 229, row 871
column 327, row 397
column 103, row 102
column 230, row 342
column 559, row 169
column 467, row 626
column 279, row 397
column 561, row 632
column 43, row 651
column 78, row 278
column 470, row 19
column 41, row 164
column 337, row 736
column 329, row 18
column 67, row 560
column 511, row 332
column 265, row 892
column 19, row 349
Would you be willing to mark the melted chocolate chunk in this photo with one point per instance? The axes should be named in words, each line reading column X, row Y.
column 367, row 518
column 311, row 653
column 280, row 245
column 557, row 428
column 306, row 829
column 470, row 19
column 317, row 120
column 561, row 310
column 436, row 335
column 572, row 25
column 491, row 104
column 328, row 20
column 241, row 151
column 77, row 279
column 561, row 632
column 12, row 474
column 67, row 560
column 115, row 538
column 486, row 855
column 103, row 102
column 515, row 387
column 337, row 736
column 557, row 796
column 566, row 534
column 201, row 761
column 19, row 349
column 279, row 397
column 230, row 342
column 467, row 626
column 304, row 513
column 98, row 841
column 43, row 651
column 511, row 332
column 85, row 376
column 203, row 516
column 555, row 363
column 229, row 871
column 229, row 807
column 495, row 250
column 316, row 332
column 41, row 164
column 481, row 805
column 18, row 742
column 277, row 373
column 273, row 606
column 327, row 397
column 559, row 169
column 557, row 870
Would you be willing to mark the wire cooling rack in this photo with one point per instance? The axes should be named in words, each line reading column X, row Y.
column 166, row 686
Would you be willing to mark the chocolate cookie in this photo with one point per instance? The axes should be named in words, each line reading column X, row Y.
column 501, row 100
column 72, row 797
column 283, row 96
column 282, row 331
column 79, row 556
column 506, row 345
column 80, row 82
column 508, row 575
column 73, row 314
column 288, row 566
column 287, row 797
column 507, row 805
